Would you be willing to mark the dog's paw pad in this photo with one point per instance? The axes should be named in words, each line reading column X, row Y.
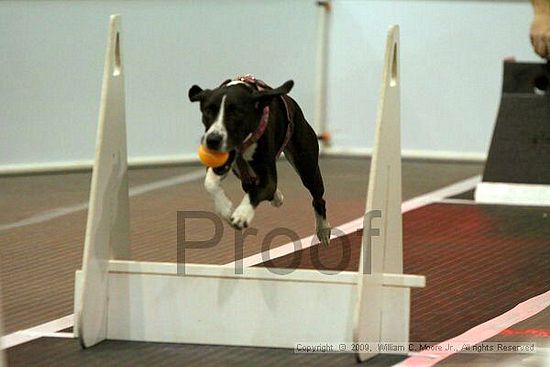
column 242, row 216
column 278, row 199
column 238, row 222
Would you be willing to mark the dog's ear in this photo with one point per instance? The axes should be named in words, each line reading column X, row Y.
column 226, row 81
column 285, row 88
column 279, row 91
column 196, row 93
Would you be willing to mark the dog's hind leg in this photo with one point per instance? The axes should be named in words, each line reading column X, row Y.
column 317, row 191
column 278, row 199
column 302, row 152
column 307, row 167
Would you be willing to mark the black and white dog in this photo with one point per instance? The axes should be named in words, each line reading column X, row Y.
column 255, row 123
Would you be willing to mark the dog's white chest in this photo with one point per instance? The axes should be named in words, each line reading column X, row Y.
column 248, row 154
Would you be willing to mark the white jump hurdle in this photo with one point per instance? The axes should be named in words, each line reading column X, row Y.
column 146, row 301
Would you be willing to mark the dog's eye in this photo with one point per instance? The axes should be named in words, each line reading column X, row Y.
column 232, row 110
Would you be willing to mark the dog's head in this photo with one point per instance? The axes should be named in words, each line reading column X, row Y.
column 232, row 111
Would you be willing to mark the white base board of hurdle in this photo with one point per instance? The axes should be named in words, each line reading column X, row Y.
column 209, row 304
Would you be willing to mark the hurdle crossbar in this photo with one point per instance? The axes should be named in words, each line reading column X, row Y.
column 209, row 304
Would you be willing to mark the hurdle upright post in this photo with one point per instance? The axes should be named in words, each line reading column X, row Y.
column 382, row 311
column 107, row 229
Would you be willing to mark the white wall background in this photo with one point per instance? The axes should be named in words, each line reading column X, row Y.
column 51, row 55
column 51, row 63
column 451, row 69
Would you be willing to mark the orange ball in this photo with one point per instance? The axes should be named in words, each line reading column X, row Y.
column 212, row 158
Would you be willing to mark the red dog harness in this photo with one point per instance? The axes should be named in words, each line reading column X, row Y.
column 245, row 174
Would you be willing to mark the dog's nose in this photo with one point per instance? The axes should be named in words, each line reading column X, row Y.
column 213, row 141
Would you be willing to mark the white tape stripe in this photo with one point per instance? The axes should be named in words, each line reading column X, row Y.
column 441, row 194
column 356, row 224
column 23, row 336
column 137, row 190
column 458, row 201
column 172, row 181
column 63, row 335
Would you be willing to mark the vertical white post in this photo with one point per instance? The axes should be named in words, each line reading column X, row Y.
column 107, row 229
column 323, row 22
column 382, row 247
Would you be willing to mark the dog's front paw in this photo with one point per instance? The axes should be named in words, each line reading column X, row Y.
column 224, row 207
column 242, row 216
column 278, row 199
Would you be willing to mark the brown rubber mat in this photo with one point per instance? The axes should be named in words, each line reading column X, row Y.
column 37, row 262
column 479, row 262
column 23, row 196
column 48, row 352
